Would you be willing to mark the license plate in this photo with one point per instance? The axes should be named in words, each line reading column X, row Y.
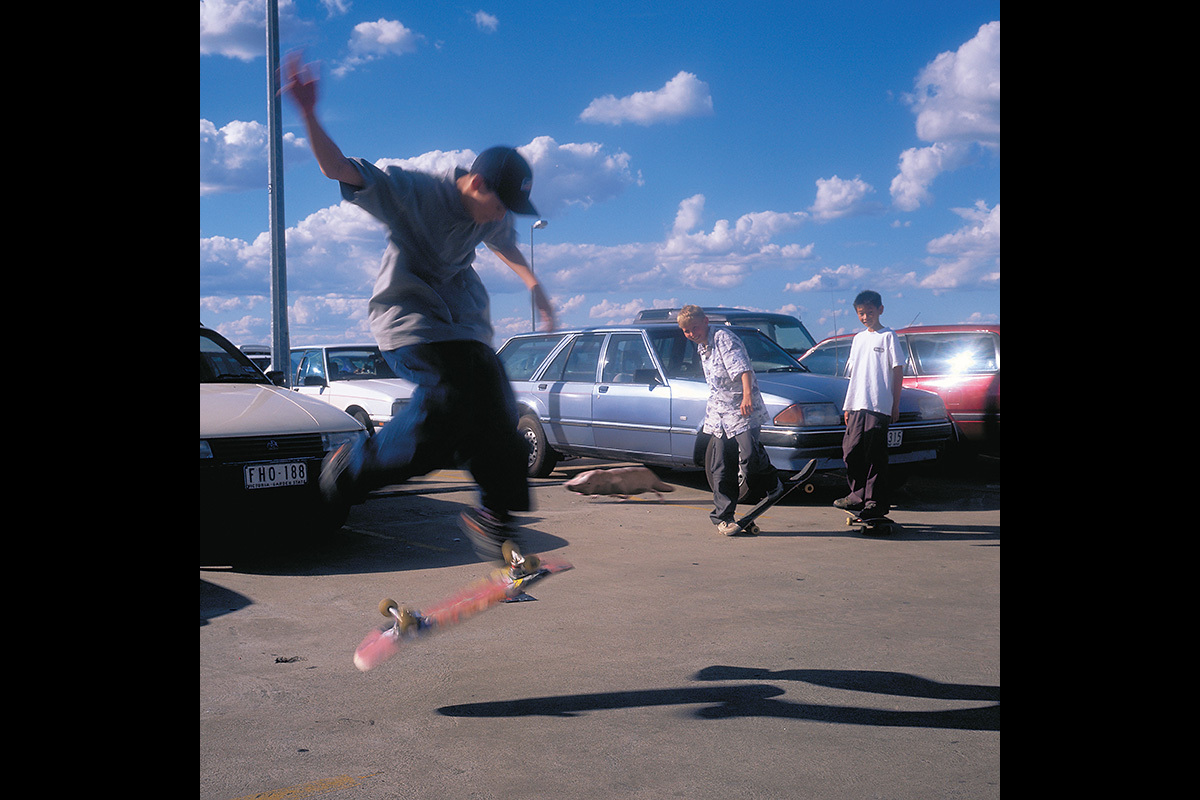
column 286, row 473
column 895, row 437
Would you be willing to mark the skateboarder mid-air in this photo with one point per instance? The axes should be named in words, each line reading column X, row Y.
column 429, row 314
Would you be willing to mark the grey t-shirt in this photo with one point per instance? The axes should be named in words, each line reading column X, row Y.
column 427, row 289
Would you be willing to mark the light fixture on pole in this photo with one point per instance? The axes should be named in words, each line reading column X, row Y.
column 541, row 223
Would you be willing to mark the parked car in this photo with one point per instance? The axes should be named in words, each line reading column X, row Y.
column 961, row 363
column 787, row 331
column 261, row 448
column 352, row 377
column 260, row 354
column 637, row 392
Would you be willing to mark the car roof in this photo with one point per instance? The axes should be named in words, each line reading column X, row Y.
column 923, row 329
column 949, row 328
column 714, row 313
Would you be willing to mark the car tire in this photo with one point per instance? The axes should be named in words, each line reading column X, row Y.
column 365, row 419
column 542, row 459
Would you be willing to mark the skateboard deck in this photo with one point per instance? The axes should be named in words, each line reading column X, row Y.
column 504, row 585
column 799, row 479
column 880, row 526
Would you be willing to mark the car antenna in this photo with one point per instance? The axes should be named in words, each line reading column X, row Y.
column 914, row 319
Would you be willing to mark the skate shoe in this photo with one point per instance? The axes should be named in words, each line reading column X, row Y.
column 335, row 481
column 486, row 533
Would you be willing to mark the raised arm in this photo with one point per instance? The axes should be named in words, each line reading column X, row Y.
column 516, row 262
column 300, row 83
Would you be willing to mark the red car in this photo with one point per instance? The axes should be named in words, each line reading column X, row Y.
column 961, row 363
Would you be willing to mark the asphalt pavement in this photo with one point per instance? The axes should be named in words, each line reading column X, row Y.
column 807, row 662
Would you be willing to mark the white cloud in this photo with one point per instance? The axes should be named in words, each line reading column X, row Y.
column 970, row 256
column 234, row 157
column 956, row 100
column 237, row 28
column 685, row 95
column 374, row 40
column 486, row 22
column 838, row 197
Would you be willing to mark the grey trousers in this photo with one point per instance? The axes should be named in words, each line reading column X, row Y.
column 726, row 459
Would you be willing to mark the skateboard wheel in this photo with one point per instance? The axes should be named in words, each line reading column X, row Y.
column 386, row 605
column 510, row 552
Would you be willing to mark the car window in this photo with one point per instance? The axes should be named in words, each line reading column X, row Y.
column 953, row 353
column 677, row 355
column 765, row 354
column 625, row 357
column 522, row 357
column 829, row 359
column 311, row 366
column 219, row 364
column 357, row 364
column 576, row 362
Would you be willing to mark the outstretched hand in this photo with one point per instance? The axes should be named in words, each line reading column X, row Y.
column 299, row 81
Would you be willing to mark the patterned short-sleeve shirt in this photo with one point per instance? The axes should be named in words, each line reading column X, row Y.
column 725, row 359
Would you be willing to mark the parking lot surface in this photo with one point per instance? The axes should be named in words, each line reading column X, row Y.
column 809, row 661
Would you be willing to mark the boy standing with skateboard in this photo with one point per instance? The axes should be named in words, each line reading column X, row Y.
column 429, row 313
column 734, row 415
column 876, row 371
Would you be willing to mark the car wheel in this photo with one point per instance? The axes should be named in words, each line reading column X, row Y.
column 364, row 418
column 542, row 459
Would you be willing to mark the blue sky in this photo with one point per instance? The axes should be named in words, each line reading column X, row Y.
column 779, row 156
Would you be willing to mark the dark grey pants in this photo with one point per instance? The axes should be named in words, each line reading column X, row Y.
column 726, row 459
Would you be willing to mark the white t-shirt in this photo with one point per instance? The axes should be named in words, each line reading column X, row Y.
column 873, row 356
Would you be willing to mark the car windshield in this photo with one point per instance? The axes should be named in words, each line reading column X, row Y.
column 681, row 361
column 221, row 363
column 357, row 364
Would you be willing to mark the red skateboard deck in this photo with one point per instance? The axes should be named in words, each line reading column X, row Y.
column 503, row 585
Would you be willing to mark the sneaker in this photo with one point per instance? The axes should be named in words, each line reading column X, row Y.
column 728, row 528
column 486, row 533
column 847, row 504
column 335, row 482
column 873, row 510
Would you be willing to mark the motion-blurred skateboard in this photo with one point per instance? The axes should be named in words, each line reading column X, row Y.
column 504, row 585
column 799, row 479
column 870, row 526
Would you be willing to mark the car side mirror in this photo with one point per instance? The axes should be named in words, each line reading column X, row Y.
column 277, row 377
column 314, row 380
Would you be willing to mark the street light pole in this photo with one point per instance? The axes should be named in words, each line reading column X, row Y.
column 541, row 223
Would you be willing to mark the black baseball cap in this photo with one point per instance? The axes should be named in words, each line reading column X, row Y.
column 507, row 174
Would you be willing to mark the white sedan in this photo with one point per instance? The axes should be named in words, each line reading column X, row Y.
column 352, row 377
column 261, row 448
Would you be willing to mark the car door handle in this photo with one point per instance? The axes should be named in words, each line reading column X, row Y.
column 602, row 389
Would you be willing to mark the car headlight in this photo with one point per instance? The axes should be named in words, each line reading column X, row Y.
column 398, row 406
column 205, row 449
column 808, row 415
column 931, row 407
column 331, row 441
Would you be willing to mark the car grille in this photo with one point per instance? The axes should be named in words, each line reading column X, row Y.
column 267, row 448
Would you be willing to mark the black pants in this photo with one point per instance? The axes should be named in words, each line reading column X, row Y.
column 864, row 449
column 462, row 414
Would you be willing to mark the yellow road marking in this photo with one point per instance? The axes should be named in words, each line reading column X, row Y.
column 308, row 789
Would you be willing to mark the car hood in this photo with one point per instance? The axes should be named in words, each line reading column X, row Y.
column 258, row 410
column 804, row 387
column 391, row 388
column 790, row 385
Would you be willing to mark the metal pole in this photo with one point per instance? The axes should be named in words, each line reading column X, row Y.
column 280, row 359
